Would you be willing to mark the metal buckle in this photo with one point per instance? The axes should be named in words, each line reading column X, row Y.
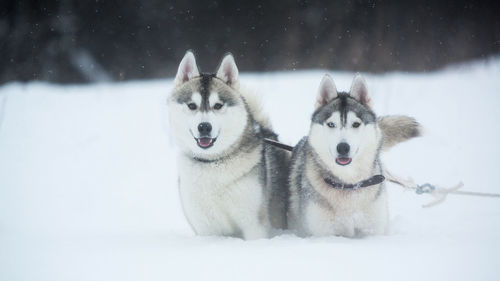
column 425, row 188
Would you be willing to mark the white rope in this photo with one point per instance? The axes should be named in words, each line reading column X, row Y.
column 438, row 192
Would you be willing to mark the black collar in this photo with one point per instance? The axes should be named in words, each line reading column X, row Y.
column 376, row 179
column 205, row 160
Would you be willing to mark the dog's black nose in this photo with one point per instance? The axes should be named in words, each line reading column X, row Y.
column 204, row 128
column 343, row 148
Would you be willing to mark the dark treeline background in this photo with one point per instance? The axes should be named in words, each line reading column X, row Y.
column 82, row 41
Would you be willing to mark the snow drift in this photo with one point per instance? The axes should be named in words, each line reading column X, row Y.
column 88, row 184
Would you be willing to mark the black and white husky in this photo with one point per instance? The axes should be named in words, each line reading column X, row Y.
column 231, row 183
column 336, row 178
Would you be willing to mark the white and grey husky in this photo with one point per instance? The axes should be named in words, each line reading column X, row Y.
column 231, row 183
column 336, row 178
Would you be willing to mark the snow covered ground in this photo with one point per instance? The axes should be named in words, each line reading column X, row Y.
column 88, row 185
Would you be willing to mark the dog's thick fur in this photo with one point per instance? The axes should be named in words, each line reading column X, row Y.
column 397, row 129
column 343, row 146
column 231, row 183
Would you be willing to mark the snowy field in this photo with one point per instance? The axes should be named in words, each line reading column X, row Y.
column 88, row 184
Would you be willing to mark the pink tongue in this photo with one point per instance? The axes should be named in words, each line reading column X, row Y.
column 205, row 142
column 343, row 160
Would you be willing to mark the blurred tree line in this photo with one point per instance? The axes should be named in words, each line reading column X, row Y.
column 82, row 41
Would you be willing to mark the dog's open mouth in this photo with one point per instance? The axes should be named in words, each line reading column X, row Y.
column 205, row 142
column 343, row 161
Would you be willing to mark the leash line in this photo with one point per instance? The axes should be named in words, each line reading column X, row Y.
column 460, row 192
column 439, row 193
column 278, row 144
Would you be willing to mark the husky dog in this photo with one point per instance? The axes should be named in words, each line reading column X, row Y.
column 231, row 183
column 336, row 178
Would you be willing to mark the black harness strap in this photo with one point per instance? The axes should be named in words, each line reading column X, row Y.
column 279, row 144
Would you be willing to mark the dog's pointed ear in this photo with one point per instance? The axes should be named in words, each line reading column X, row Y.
column 327, row 91
column 187, row 69
column 228, row 72
column 359, row 91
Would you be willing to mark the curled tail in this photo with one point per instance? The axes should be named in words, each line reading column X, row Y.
column 397, row 129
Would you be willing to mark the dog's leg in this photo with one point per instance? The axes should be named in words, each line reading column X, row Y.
column 317, row 220
column 377, row 217
column 256, row 231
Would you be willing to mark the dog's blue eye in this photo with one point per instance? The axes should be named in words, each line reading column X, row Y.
column 330, row 124
column 356, row 124
column 218, row 106
column 192, row 106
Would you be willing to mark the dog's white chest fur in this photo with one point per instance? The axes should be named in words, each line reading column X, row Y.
column 348, row 219
column 224, row 199
column 346, row 212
